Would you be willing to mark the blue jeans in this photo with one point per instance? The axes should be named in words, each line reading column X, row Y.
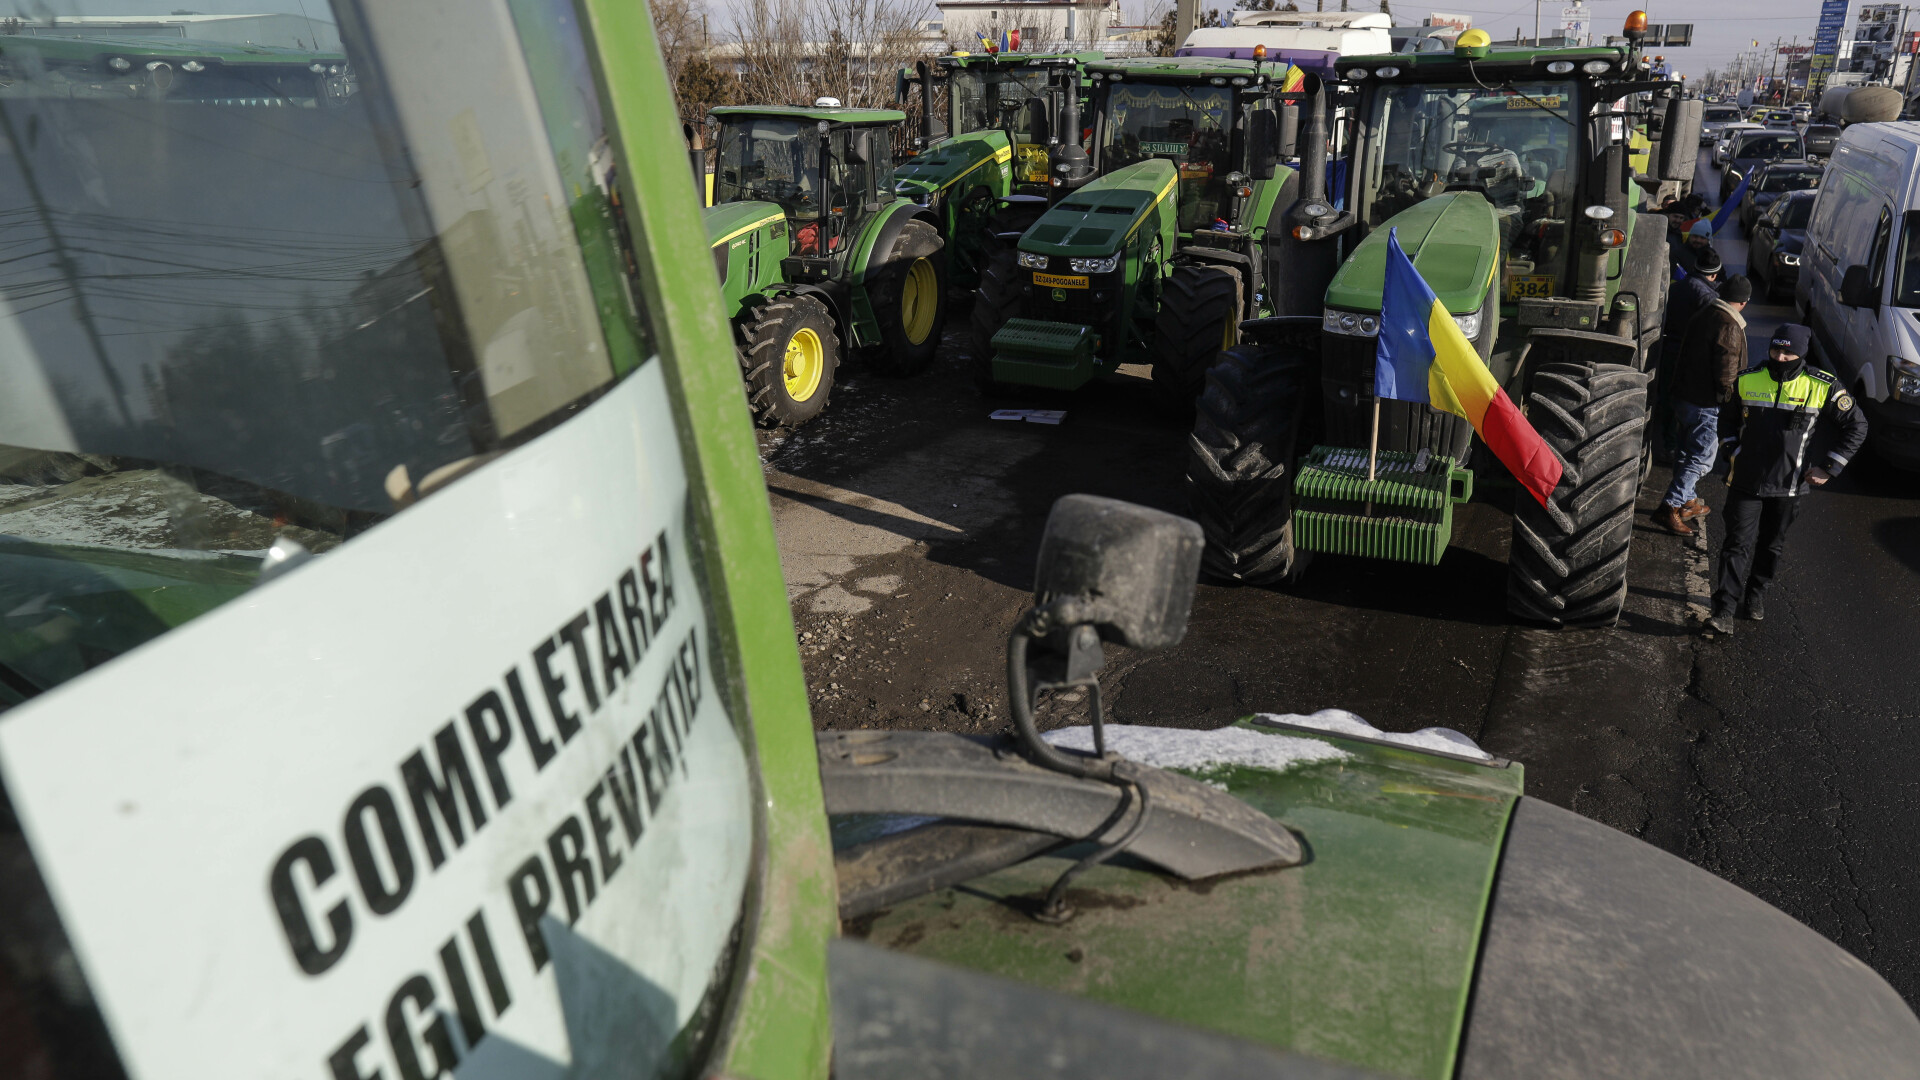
column 1699, row 443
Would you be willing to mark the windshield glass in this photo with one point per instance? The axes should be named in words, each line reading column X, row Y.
column 1513, row 145
column 999, row 97
column 1794, row 213
column 1906, row 269
column 233, row 321
column 770, row 159
column 1721, row 113
column 1191, row 126
column 1777, row 180
column 1770, row 146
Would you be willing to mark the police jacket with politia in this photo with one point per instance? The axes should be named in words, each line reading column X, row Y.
column 1780, row 429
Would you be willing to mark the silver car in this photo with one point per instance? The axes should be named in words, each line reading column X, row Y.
column 1724, row 143
column 1715, row 117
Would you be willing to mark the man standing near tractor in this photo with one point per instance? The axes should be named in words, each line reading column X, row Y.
column 1776, row 428
column 1711, row 352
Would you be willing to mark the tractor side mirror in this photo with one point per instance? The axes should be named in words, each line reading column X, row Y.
column 1857, row 290
column 1126, row 570
column 900, row 87
column 1680, row 139
column 860, row 147
column 1289, row 132
column 1263, row 143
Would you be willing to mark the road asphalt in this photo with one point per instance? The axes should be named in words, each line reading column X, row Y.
column 909, row 521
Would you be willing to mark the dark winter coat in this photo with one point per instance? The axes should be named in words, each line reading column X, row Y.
column 1713, row 352
column 1688, row 297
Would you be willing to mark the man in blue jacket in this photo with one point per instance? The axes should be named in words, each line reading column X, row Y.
column 1790, row 429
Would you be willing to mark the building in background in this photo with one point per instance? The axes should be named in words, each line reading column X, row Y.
column 1040, row 25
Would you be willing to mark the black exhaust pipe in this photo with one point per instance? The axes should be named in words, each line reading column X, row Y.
column 1313, row 215
column 1069, row 159
column 931, row 129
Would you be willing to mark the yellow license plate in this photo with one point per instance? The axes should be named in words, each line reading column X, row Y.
column 1061, row 281
column 1530, row 285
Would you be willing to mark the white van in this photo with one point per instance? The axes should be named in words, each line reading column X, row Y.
column 1860, row 286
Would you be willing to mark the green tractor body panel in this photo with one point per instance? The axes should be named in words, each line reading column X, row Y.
column 1363, row 954
column 835, row 116
column 1453, row 240
column 749, row 239
column 975, row 159
column 1075, row 326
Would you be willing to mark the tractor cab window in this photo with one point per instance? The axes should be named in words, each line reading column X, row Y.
column 1513, row 144
column 1009, row 99
column 771, row 159
column 1191, row 126
column 849, row 188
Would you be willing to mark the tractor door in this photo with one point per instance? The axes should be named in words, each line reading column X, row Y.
column 856, row 158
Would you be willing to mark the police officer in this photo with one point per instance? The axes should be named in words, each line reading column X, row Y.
column 1789, row 429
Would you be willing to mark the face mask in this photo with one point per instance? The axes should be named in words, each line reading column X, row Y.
column 1782, row 370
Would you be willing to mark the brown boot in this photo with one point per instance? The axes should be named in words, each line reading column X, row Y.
column 1695, row 508
column 1669, row 518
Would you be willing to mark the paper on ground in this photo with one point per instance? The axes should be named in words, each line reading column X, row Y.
column 1031, row 416
column 1342, row 722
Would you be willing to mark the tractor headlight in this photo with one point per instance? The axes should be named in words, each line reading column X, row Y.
column 1094, row 266
column 1349, row 323
column 1469, row 323
column 1560, row 67
column 1596, row 67
column 1903, row 378
column 1787, row 258
column 1033, row 261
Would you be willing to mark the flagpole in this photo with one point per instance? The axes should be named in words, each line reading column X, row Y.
column 1373, row 449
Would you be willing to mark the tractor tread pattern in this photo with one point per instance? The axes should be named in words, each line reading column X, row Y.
column 1199, row 307
column 763, row 341
column 896, row 356
column 1240, row 460
column 996, row 301
column 1568, row 562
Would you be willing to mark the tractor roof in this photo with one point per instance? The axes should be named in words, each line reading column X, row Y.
column 832, row 116
column 1015, row 59
column 1191, row 67
column 1508, row 63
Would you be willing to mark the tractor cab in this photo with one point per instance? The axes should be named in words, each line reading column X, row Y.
column 825, row 168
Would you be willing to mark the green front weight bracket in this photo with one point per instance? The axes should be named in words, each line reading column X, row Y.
column 1405, row 513
column 1031, row 352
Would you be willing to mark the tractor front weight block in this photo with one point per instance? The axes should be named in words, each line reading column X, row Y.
column 1031, row 352
column 1405, row 513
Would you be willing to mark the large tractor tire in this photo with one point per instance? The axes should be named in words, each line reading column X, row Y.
column 1241, row 458
column 1568, row 564
column 997, row 300
column 1199, row 316
column 909, row 297
column 788, row 356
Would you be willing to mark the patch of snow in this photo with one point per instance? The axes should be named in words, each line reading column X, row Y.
column 1342, row 722
column 1181, row 748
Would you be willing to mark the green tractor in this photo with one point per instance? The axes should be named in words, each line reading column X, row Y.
column 547, row 800
column 1507, row 176
column 1178, row 239
column 991, row 168
column 815, row 253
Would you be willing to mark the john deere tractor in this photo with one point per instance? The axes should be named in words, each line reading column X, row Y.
column 815, row 253
column 1178, row 238
column 1506, row 174
column 1013, row 120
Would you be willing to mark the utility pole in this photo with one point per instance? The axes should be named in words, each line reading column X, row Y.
column 1536, row 23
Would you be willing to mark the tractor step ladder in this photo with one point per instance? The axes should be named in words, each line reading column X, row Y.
column 1405, row 513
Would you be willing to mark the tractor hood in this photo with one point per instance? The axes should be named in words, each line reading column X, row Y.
column 971, row 157
column 1453, row 240
column 1097, row 219
column 730, row 220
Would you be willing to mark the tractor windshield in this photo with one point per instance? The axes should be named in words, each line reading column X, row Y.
column 1013, row 100
column 1513, row 144
column 772, row 159
column 1191, row 126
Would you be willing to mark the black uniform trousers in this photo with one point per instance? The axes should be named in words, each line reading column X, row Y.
column 1756, row 533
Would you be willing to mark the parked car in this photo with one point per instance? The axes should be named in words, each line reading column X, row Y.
column 1803, row 112
column 1820, row 139
column 1727, row 135
column 1779, row 118
column 1752, row 149
column 1715, row 117
column 1775, row 250
column 1860, row 285
column 1773, row 181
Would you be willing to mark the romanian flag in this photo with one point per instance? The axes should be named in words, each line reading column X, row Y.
column 1423, row 357
column 1296, row 78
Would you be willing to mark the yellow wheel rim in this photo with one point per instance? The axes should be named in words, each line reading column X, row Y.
column 1226, row 332
column 805, row 363
column 919, row 301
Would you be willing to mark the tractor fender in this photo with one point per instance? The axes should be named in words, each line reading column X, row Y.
column 881, row 232
column 835, row 299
